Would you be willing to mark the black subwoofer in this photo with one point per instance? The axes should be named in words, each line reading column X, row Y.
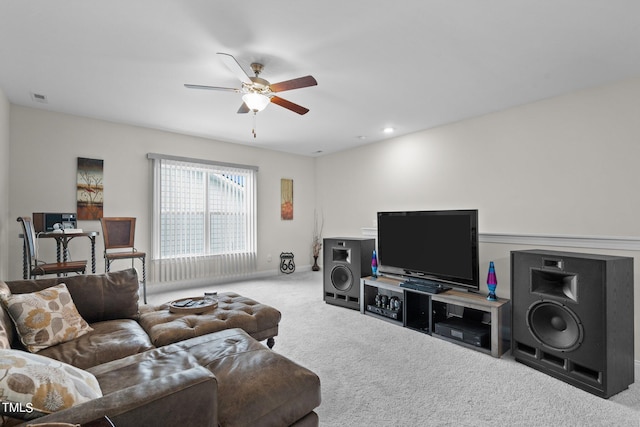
column 572, row 317
column 346, row 260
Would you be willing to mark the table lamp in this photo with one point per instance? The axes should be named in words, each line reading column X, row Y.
column 492, row 282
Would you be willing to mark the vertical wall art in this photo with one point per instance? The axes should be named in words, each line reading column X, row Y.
column 89, row 188
column 286, row 199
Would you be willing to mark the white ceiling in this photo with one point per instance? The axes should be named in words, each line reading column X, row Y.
column 410, row 64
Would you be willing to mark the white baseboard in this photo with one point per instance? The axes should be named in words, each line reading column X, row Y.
column 158, row 288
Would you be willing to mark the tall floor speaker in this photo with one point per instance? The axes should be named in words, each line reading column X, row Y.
column 346, row 260
column 572, row 317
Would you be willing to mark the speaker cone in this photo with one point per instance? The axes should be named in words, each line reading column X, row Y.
column 341, row 278
column 554, row 325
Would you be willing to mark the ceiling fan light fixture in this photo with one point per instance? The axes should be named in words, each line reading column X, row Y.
column 256, row 101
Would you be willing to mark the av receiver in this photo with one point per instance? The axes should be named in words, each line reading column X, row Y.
column 54, row 221
column 476, row 334
column 392, row 314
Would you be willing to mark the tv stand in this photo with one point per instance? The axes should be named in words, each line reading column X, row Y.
column 464, row 318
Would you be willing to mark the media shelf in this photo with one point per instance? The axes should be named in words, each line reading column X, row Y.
column 373, row 303
column 464, row 318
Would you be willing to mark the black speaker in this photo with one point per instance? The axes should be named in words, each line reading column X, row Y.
column 346, row 260
column 572, row 317
column 53, row 221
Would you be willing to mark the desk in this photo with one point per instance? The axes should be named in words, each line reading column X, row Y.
column 62, row 243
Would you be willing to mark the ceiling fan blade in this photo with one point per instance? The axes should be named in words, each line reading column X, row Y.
column 235, row 68
column 298, row 83
column 243, row 109
column 289, row 105
column 227, row 89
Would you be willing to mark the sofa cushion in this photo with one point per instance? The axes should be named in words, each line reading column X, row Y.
column 98, row 297
column 43, row 384
column 109, row 340
column 45, row 318
column 150, row 365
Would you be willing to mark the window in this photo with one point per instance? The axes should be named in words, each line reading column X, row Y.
column 204, row 218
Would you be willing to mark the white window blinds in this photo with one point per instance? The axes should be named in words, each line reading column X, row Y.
column 204, row 219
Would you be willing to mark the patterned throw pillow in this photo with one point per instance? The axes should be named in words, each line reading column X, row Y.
column 36, row 385
column 45, row 318
column 6, row 325
column 5, row 332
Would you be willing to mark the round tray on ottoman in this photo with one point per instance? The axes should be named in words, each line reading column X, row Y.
column 195, row 305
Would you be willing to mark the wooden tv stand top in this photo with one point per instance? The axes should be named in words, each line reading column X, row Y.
column 453, row 295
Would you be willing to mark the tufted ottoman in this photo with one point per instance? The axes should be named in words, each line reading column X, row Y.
column 233, row 311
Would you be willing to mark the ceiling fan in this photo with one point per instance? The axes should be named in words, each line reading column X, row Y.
column 258, row 92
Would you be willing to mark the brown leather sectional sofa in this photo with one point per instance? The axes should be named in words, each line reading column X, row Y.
column 224, row 378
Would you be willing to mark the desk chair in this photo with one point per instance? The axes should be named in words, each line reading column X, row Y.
column 40, row 268
column 119, row 233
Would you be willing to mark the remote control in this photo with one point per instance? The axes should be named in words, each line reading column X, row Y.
column 184, row 303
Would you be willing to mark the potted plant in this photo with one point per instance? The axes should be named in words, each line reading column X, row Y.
column 316, row 245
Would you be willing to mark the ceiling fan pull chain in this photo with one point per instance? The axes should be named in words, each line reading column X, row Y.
column 253, row 131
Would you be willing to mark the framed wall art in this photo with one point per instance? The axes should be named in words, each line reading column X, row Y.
column 286, row 199
column 90, row 193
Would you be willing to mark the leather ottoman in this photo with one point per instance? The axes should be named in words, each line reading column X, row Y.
column 256, row 386
column 233, row 311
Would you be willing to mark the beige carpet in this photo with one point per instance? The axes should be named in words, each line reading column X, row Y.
column 374, row 373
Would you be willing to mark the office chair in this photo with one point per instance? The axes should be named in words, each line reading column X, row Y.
column 119, row 234
column 40, row 268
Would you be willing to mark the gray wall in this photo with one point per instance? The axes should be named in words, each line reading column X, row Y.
column 562, row 166
column 565, row 166
column 44, row 151
column 4, row 185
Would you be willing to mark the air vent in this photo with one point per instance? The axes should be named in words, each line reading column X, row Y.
column 38, row 97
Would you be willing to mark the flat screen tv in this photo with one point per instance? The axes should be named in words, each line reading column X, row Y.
column 437, row 245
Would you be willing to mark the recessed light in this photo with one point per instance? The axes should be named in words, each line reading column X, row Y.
column 388, row 130
column 362, row 136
